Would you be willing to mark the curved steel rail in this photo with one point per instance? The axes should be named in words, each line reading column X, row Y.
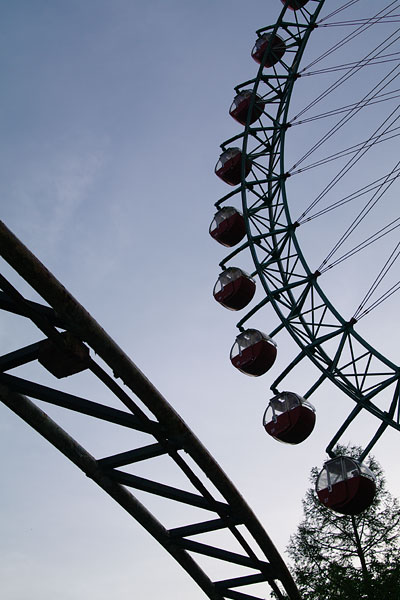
column 211, row 491
column 324, row 337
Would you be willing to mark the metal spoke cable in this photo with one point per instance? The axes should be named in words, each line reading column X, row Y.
column 353, row 196
column 390, row 292
column 371, row 56
column 354, row 110
column 373, row 238
column 387, row 266
column 356, row 222
column 369, row 22
column 335, row 85
column 338, row 10
column 337, row 111
column 385, row 269
column 351, row 150
column 391, row 19
column 379, row 301
column 357, row 155
column 375, row 91
column 345, row 169
column 351, row 36
column 350, row 230
column 382, row 59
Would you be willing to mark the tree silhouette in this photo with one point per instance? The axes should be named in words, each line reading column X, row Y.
column 337, row 557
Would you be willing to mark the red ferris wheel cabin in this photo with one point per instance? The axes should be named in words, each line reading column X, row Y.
column 228, row 226
column 253, row 352
column 295, row 4
column 289, row 418
column 271, row 45
column 346, row 486
column 240, row 107
column 229, row 166
column 234, row 288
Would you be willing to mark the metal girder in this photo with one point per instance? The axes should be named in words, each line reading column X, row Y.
column 42, row 423
column 239, row 595
column 160, row 489
column 212, row 490
column 86, row 407
column 8, row 304
column 240, row 581
column 20, row 357
column 132, row 456
column 204, row 527
column 231, row 557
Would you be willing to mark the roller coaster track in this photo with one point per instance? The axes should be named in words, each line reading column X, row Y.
column 71, row 337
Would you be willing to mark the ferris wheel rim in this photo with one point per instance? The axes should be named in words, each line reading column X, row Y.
column 345, row 327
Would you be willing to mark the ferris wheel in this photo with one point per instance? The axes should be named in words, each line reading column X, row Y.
column 313, row 174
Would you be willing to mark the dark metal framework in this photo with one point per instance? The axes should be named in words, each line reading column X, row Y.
column 258, row 561
column 323, row 335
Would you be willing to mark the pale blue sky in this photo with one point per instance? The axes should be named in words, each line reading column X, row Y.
column 111, row 116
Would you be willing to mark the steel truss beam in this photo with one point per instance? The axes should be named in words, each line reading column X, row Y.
column 208, row 486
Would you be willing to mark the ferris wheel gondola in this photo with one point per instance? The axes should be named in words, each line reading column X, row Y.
column 234, row 288
column 289, row 418
column 346, row 485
